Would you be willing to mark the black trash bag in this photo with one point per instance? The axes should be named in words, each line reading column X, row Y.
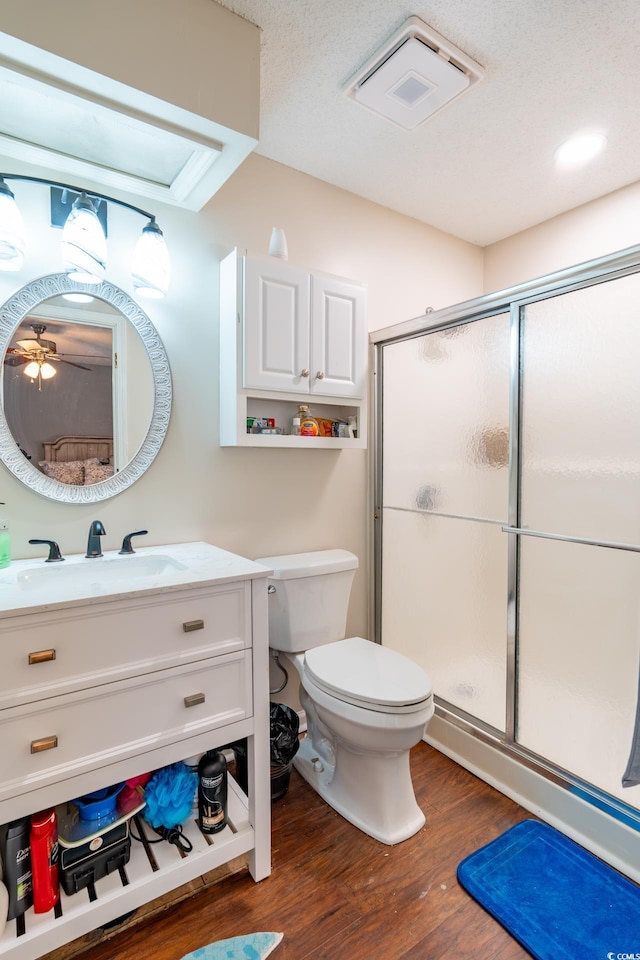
column 283, row 735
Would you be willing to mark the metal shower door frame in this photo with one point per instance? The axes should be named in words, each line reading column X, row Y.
column 513, row 300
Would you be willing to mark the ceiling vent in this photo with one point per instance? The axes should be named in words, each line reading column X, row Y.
column 415, row 74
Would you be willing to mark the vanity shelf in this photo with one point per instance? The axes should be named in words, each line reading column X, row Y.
column 114, row 695
column 290, row 336
column 150, row 873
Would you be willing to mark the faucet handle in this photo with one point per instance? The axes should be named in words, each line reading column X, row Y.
column 126, row 543
column 54, row 550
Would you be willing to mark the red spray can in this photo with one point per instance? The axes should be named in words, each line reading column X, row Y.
column 44, row 860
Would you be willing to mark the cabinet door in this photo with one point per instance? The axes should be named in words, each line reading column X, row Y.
column 338, row 338
column 276, row 326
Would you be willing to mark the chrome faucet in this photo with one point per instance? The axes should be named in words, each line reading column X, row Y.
column 94, row 547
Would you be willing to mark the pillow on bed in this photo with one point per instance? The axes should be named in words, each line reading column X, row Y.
column 95, row 470
column 65, row 471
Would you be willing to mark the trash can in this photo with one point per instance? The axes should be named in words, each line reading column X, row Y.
column 283, row 743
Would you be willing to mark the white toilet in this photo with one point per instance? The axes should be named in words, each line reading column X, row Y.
column 366, row 706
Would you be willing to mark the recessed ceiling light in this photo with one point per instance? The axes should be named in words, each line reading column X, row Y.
column 579, row 150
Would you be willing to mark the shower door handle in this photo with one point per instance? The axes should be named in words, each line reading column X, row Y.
column 611, row 544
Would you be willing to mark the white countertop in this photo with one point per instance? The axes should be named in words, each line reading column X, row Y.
column 33, row 586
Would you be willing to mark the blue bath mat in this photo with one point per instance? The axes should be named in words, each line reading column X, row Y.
column 557, row 899
column 253, row 946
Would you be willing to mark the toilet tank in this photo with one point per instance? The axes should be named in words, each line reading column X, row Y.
column 308, row 606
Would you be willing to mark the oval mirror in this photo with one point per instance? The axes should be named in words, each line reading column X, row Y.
column 85, row 386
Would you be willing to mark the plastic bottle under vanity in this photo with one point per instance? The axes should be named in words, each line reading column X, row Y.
column 5, row 541
column 44, row 860
column 212, row 792
column 16, row 861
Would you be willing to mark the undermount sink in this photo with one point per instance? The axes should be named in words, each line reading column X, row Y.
column 99, row 570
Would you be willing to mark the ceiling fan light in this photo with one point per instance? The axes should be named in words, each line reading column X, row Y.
column 150, row 265
column 12, row 243
column 47, row 370
column 84, row 245
column 31, row 370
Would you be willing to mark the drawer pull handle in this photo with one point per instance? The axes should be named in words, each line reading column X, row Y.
column 47, row 743
column 41, row 656
column 192, row 625
column 194, row 700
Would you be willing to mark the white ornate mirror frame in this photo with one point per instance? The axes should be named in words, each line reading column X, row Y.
column 12, row 313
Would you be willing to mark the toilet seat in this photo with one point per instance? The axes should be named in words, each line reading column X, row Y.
column 367, row 675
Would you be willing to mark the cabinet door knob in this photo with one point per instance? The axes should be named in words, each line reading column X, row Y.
column 304, row 373
column 319, row 375
column 194, row 699
column 46, row 743
column 41, row 656
column 192, row 625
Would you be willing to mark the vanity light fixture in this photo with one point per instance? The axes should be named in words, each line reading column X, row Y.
column 82, row 214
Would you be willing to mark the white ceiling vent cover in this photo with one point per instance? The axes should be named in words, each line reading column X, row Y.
column 415, row 74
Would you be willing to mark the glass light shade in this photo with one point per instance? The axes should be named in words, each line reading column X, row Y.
column 150, row 266
column 84, row 246
column 41, row 368
column 11, row 231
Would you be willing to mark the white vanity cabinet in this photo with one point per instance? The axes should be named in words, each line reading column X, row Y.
column 289, row 336
column 109, row 682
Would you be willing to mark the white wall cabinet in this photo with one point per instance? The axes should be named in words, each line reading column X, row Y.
column 116, row 686
column 289, row 336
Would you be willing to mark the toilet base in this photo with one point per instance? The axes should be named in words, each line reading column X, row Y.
column 374, row 793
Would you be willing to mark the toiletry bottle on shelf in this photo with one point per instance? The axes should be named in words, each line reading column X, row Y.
column 212, row 792
column 5, row 542
column 16, row 861
column 44, row 860
column 308, row 424
column 295, row 427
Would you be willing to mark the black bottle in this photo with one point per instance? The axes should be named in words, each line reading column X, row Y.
column 212, row 792
column 16, row 858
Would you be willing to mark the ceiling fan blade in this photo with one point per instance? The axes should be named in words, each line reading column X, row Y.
column 70, row 363
column 15, row 359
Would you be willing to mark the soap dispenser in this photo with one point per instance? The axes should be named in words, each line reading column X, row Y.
column 5, row 543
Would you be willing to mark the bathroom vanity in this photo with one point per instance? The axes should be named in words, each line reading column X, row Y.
column 116, row 666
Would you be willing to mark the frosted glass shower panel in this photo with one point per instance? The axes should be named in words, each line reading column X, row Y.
column 578, row 659
column 581, row 413
column 444, row 606
column 445, row 418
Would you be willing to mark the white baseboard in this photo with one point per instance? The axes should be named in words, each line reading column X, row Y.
column 614, row 842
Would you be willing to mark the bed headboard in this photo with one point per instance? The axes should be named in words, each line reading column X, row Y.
column 78, row 448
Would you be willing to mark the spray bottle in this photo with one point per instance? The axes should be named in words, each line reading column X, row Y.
column 5, row 542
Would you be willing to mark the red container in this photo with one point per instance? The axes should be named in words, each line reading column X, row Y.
column 44, row 860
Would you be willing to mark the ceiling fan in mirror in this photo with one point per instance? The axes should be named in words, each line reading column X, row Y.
column 36, row 354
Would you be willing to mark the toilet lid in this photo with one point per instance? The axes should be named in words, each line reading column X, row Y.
column 357, row 670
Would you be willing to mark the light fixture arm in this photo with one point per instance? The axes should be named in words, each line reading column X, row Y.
column 80, row 190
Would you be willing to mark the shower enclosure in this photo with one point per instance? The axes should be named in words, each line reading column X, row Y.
column 507, row 519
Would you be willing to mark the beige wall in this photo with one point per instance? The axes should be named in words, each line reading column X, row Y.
column 253, row 502
column 590, row 231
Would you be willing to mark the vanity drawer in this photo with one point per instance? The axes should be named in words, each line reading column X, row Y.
column 55, row 653
column 66, row 736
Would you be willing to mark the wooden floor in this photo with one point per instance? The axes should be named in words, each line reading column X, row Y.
column 336, row 893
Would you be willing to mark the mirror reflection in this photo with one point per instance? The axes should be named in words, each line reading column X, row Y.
column 85, row 389
column 77, row 390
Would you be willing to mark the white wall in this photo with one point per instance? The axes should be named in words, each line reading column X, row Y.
column 593, row 230
column 253, row 502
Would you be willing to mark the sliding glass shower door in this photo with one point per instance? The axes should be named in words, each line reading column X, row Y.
column 508, row 531
column 579, row 602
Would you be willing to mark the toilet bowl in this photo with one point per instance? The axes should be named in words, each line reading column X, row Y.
column 366, row 705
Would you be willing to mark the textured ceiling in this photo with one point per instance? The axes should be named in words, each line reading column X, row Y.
column 482, row 168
